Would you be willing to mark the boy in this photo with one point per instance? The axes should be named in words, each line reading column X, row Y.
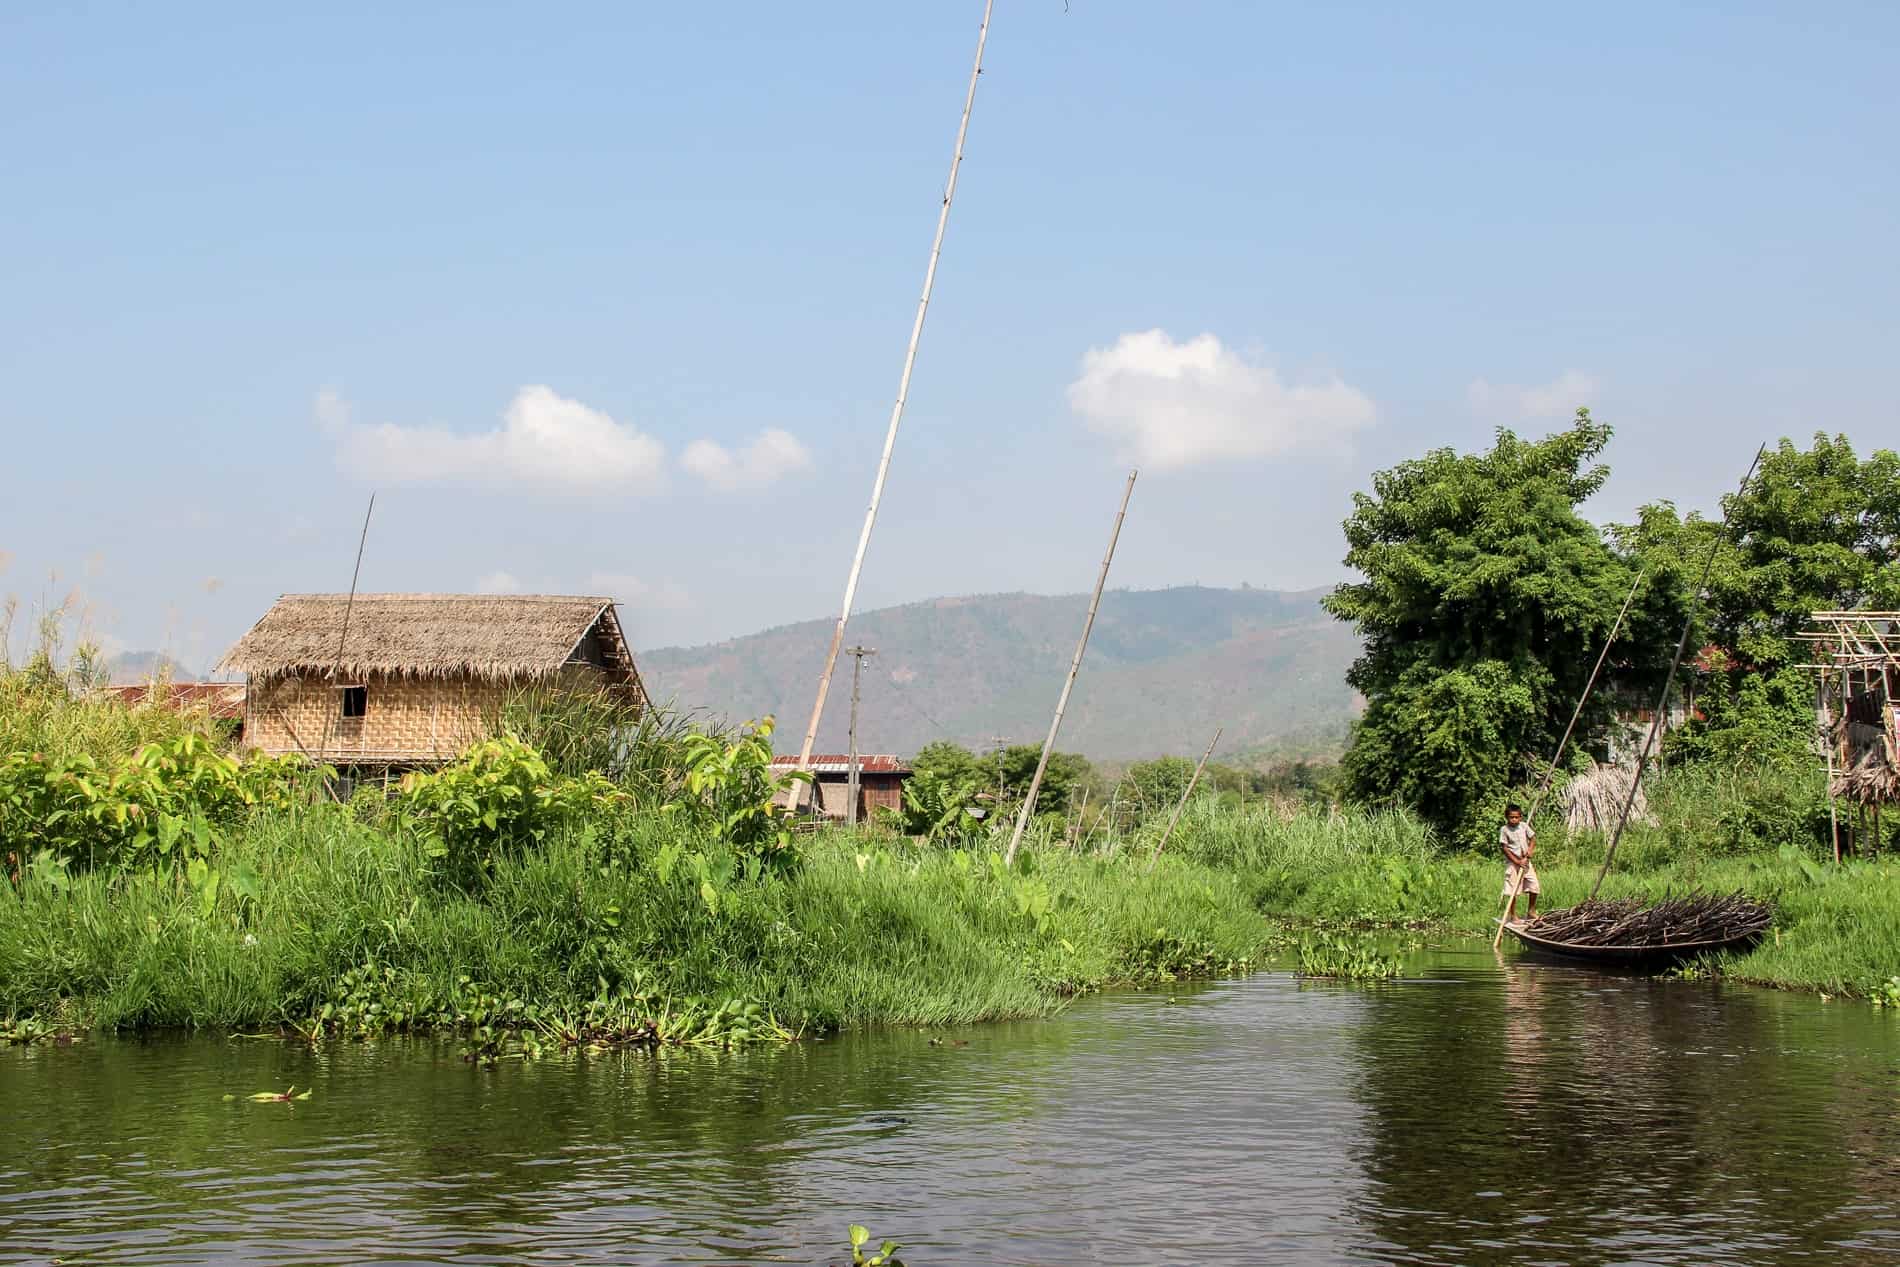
column 1519, row 841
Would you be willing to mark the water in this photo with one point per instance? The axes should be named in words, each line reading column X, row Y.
column 1474, row 1113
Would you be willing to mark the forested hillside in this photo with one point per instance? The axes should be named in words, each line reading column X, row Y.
column 1164, row 668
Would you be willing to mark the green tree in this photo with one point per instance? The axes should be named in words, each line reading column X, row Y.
column 1015, row 766
column 948, row 760
column 1156, row 786
column 1485, row 600
column 1815, row 530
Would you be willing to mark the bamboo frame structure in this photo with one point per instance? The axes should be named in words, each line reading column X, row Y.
column 1858, row 673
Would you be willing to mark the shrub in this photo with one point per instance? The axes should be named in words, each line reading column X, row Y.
column 499, row 795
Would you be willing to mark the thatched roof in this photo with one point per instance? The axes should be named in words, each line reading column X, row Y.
column 512, row 637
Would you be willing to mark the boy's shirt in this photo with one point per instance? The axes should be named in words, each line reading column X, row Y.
column 1516, row 839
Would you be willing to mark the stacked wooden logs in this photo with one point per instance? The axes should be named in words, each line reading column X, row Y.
column 1699, row 917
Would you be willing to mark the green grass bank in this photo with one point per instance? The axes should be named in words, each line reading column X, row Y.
column 353, row 921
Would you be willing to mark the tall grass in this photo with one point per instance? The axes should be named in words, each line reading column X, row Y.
column 895, row 935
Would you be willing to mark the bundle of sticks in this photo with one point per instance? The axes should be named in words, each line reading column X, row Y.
column 1699, row 917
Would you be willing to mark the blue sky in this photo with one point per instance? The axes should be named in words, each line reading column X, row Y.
column 613, row 298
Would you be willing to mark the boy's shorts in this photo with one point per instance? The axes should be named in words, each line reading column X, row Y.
column 1511, row 873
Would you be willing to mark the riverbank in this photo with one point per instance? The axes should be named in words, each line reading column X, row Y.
column 651, row 934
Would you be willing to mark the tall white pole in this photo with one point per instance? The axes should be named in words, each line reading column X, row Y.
column 1075, row 667
column 897, row 412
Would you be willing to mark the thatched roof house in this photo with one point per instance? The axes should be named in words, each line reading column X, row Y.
column 412, row 679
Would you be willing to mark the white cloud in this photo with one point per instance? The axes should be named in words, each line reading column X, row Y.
column 546, row 441
column 661, row 596
column 1173, row 405
column 1508, row 402
column 498, row 583
column 772, row 455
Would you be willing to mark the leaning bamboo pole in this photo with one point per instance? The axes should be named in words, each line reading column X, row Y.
column 1182, row 803
column 897, row 415
column 1068, row 683
column 1669, row 683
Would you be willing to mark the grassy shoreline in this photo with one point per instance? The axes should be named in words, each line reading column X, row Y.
column 653, row 935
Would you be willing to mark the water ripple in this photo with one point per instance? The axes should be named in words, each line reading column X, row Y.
column 1479, row 1110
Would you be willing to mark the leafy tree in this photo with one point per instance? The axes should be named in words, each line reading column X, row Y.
column 1815, row 530
column 948, row 760
column 1157, row 785
column 1015, row 766
column 1485, row 601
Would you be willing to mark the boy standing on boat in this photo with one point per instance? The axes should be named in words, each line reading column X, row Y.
column 1518, row 839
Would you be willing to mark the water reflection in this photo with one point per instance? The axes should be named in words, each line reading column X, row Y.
column 1528, row 1113
column 1586, row 1118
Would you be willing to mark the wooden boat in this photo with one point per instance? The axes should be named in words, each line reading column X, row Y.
column 1657, row 956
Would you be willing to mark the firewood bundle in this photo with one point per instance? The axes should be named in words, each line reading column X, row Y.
column 1699, row 917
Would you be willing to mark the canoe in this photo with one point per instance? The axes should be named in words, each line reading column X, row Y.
column 1654, row 956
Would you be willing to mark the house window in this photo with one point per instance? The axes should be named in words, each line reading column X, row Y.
column 355, row 701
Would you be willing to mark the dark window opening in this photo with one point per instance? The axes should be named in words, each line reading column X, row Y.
column 355, row 701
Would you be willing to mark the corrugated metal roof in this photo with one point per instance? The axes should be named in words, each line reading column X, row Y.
column 840, row 763
column 224, row 700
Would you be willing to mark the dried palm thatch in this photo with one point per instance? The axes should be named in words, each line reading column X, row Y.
column 1592, row 800
column 509, row 638
column 1872, row 780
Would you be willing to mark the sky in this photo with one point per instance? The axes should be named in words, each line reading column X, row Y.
column 613, row 298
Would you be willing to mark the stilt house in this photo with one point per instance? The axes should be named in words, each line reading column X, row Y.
column 400, row 681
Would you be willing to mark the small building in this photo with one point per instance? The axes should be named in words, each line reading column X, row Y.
column 410, row 680
column 880, row 782
column 223, row 701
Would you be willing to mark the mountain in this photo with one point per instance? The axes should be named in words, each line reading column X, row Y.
column 1164, row 668
column 130, row 667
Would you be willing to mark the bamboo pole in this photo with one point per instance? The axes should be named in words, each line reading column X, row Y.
column 897, row 417
column 1669, row 684
column 1068, row 684
column 1182, row 803
column 1833, row 814
column 1550, row 772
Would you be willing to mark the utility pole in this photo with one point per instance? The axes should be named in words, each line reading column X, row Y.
column 857, row 655
column 997, row 744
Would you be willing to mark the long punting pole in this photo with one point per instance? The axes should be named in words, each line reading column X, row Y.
column 1182, row 803
column 1068, row 683
column 1669, row 684
column 1550, row 771
column 897, row 414
column 342, row 637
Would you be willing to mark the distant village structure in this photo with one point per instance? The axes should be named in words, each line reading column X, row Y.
column 881, row 779
column 402, row 681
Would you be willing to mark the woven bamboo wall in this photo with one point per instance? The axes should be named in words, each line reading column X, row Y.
column 411, row 721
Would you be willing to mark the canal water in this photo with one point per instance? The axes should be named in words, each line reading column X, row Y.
column 1483, row 1110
